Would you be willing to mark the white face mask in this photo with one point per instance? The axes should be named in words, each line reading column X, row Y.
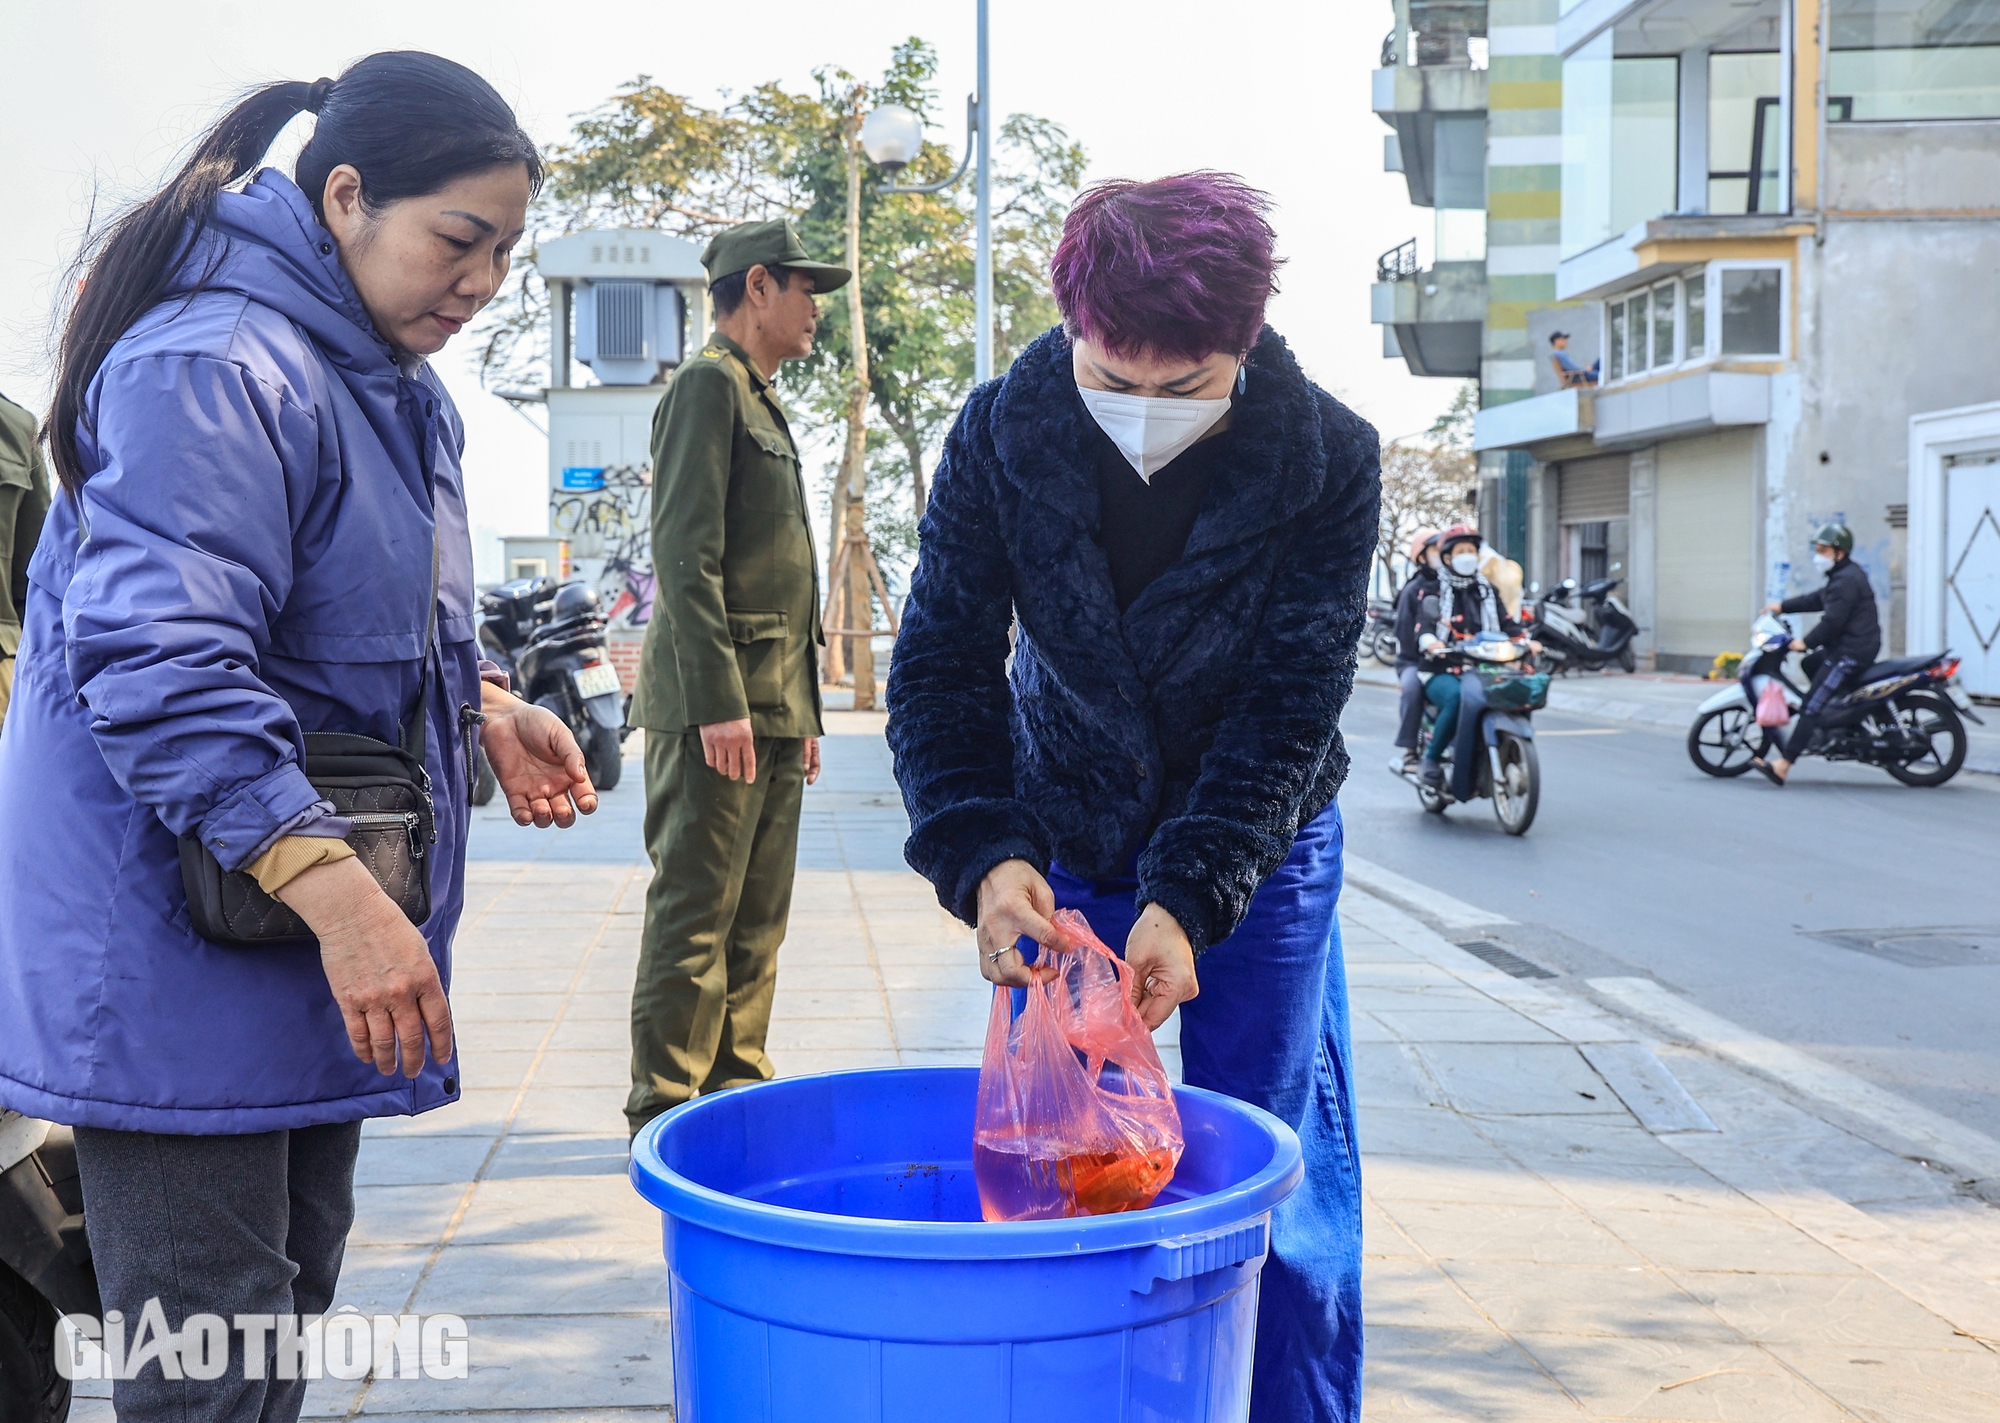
column 1465, row 564
column 1823, row 562
column 1150, row 430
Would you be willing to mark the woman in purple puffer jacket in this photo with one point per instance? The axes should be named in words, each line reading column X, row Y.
column 257, row 466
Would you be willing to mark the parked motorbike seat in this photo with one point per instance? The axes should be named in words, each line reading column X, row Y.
column 1898, row 667
column 1601, row 587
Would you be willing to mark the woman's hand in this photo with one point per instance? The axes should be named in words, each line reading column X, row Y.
column 1162, row 963
column 1014, row 901
column 377, row 964
column 536, row 761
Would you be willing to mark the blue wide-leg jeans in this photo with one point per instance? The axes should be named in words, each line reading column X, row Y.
column 1270, row 1028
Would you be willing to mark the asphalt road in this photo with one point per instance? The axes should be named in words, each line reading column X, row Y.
column 1638, row 862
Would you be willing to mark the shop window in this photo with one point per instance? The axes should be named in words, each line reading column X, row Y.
column 1750, row 305
column 1891, row 59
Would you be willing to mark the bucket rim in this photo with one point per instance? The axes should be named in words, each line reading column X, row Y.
column 686, row 1200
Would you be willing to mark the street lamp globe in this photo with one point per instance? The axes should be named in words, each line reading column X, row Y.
column 891, row 137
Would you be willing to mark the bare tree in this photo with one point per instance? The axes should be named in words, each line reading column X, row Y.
column 1424, row 482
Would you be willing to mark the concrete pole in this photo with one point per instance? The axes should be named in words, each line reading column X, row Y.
column 559, row 328
column 982, row 279
column 860, row 604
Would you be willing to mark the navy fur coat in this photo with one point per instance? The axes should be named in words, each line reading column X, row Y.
column 1200, row 729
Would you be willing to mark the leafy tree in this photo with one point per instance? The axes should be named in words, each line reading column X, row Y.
column 655, row 159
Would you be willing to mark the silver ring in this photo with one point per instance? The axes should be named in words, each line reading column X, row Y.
column 994, row 957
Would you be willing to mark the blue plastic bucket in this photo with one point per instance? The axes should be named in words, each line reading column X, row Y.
column 828, row 1263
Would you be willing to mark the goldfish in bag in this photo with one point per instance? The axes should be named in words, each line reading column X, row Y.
column 1076, row 1115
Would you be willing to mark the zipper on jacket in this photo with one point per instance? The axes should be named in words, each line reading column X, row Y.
column 469, row 719
column 409, row 821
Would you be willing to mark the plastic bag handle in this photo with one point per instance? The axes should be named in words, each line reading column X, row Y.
column 1193, row 1255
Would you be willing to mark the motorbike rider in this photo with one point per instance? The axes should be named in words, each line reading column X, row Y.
column 1468, row 607
column 1422, row 583
column 1841, row 645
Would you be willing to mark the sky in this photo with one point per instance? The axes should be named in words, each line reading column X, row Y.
column 100, row 98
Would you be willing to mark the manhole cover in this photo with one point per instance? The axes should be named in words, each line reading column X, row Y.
column 1948, row 946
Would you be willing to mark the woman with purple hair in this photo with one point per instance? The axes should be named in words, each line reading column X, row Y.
column 1177, row 524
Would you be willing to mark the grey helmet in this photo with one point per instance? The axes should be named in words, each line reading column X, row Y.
column 573, row 601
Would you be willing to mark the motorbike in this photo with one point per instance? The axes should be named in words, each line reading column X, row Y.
column 1899, row 715
column 550, row 640
column 1586, row 629
column 1378, row 639
column 45, row 1265
column 1511, row 775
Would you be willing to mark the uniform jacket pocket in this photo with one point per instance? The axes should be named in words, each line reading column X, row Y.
column 770, row 483
column 760, row 639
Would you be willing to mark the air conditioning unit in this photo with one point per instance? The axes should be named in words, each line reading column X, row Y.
column 627, row 329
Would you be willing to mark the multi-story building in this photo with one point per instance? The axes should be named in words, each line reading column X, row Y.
column 1773, row 226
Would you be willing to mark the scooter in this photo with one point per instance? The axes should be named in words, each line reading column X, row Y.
column 1511, row 775
column 1378, row 637
column 1584, row 631
column 550, row 639
column 45, row 1265
column 1899, row 715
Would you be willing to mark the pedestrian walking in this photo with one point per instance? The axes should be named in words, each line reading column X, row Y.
column 728, row 687
column 1179, row 525
column 24, row 503
column 261, row 535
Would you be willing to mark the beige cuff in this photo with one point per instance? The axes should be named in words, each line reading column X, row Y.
column 292, row 856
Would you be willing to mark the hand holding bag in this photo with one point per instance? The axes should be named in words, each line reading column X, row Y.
column 382, row 790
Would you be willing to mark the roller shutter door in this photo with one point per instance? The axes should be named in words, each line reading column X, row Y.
column 1595, row 489
column 1705, row 595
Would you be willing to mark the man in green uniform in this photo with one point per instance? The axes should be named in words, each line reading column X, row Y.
column 728, row 688
column 24, row 499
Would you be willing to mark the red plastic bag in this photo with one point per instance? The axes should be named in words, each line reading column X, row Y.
column 1772, row 709
column 1076, row 1115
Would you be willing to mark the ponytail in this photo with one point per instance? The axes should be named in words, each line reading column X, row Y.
column 409, row 122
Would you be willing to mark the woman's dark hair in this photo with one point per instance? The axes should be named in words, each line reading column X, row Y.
column 408, row 122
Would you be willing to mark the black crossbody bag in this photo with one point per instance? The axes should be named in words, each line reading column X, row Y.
column 382, row 790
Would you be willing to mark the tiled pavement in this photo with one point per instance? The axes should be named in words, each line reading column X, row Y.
column 1534, row 1250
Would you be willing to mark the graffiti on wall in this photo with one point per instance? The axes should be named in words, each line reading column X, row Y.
column 613, row 522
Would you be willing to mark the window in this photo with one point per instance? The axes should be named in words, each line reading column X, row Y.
column 1750, row 303
column 1663, row 325
column 1900, row 59
column 1697, row 315
column 1619, row 124
column 1746, row 133
column 1460, row 235
column 1644, row 333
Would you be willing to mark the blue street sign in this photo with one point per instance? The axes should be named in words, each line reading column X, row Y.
column 578, row 476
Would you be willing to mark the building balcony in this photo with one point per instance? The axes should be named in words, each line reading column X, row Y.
column 1431, row 89
column 1536, row 421
column 1432, row 318
column 1627, row 417
column 1661, row 246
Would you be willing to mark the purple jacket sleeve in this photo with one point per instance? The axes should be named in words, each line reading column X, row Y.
column 185, row 561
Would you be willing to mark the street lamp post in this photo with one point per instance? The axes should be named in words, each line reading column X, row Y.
column 892, row 136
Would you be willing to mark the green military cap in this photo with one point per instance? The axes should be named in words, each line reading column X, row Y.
column 767, row 244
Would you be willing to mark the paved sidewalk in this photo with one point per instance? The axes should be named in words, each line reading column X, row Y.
column 1568, row 1217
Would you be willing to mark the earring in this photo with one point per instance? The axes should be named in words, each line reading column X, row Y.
column 1242, row 378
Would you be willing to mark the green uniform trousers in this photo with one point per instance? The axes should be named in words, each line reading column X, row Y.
column 723, row 854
